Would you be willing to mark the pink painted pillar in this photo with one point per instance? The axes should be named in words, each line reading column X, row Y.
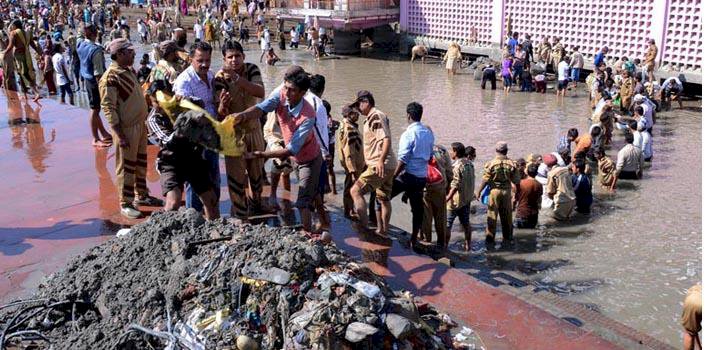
column 498, row 25
column 659, row 19
column 404, row 15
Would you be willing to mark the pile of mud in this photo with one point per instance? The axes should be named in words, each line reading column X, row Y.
column 179, row 282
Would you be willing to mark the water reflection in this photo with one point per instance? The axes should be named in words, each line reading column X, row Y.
column 27, row 131
column 38, row 149
column 108, row 194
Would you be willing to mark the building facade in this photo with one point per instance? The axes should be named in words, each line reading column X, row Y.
column 622, row 26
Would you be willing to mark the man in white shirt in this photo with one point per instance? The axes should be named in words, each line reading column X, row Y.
column 670, row 91
column 629, row 160
column 294, row 38
column 142, row 31
column 199, row 31
column 196, row 83
column 562, row 74
column 313, row 96
column 265, row 41
column 227, row 28
column 642, row 141
column 649, row 109
column 61, row 73
column 641, row 116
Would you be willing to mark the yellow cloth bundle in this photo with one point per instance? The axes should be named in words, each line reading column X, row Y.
column 230, row 144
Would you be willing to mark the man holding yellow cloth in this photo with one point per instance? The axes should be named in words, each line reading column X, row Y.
column 244, row 87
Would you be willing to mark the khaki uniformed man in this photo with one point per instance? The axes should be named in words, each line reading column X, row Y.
column 626, row 90
column 380, row 160
column 180, row 38
column 649, row 59
column 558, row 51
column 559, row 188
column 242, row 84
column 500, row 174
column 543, row 51
column 7, row 62
column 350, row 152
column 435, row 198
column 125, row 108
column 168, row 67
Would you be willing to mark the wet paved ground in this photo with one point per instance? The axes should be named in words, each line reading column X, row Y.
column 631, row 260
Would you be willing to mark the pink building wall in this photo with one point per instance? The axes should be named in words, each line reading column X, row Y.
column 683, row 36
column 623, row 26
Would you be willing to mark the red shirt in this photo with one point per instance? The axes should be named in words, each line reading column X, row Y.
column 528, row 198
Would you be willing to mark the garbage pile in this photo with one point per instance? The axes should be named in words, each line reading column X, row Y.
column 179, row 282
column 482, row 61
column 478, row 64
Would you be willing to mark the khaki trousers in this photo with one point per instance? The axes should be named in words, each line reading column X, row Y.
column 435, row 209
column 131, row 163
column 500, row 204
column 242, row 172
column 348, row 204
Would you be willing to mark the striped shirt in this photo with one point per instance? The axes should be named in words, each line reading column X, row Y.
column 240, row 99
column 172, row 149
column 159, row 127
column 122, row 99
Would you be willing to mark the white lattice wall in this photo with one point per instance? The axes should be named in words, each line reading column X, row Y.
column 683, row 43
column 451, row 20
column 622, row 26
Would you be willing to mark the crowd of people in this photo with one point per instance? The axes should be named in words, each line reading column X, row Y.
column 293, row 126
column 526, row 66
column 623, row 96
column 291, row 129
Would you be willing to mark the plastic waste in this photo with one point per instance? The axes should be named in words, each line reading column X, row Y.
column 327, row 280
column 358, row 331
column 123, row 232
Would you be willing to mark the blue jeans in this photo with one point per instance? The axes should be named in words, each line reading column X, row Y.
column 463, row 213
column 507, row 81
column 517, row 72
column 526, row 86
column 192, row 200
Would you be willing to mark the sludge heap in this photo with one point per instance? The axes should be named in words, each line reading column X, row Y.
column 179, row 282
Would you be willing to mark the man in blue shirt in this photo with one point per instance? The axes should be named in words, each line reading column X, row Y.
column 415, row 150
column 512, row 43
column 297, row 120
column 599, row 57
